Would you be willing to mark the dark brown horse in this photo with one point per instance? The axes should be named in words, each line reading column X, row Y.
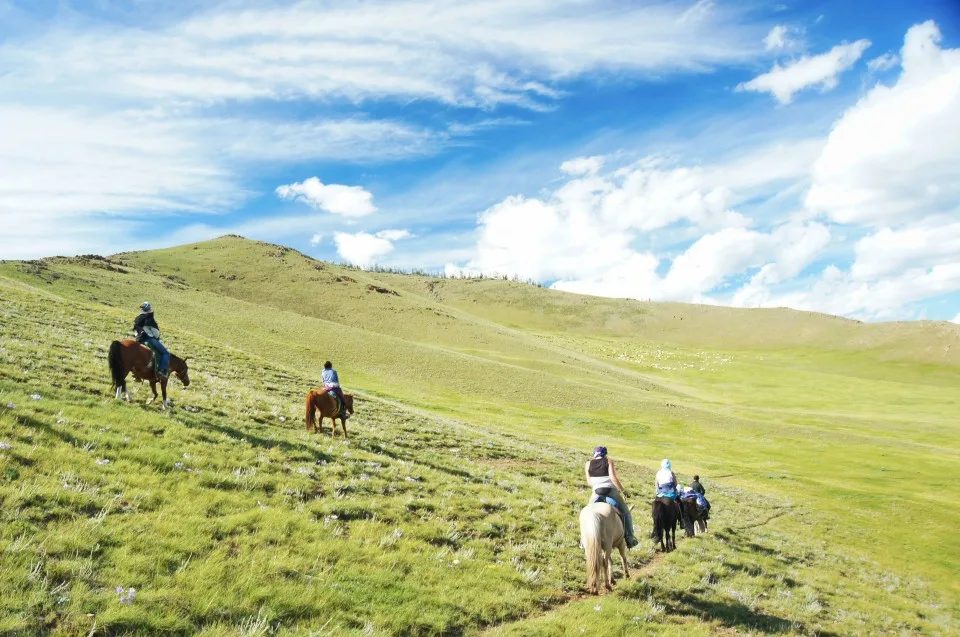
column 129, row 356
column 320, row 400
column 665, row 514
column 694, row 518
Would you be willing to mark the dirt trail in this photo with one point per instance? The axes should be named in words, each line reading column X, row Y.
column 646, row 570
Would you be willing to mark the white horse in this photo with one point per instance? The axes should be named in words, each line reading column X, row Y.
column 600, row 531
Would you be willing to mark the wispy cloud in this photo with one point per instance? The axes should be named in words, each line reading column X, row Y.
column 823, row 70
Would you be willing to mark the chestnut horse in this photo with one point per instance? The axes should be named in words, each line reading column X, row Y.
column 129, row 356
column 320, row 400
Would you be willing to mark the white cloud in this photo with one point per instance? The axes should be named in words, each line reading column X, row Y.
column 838, row 292
column 101, row 117
column 956, row 319
column 823, row 70
column 892, row 157
column 316, row 239
column 364, row 249
column 583, row 235
column 883, row 62
column 349, row 201
column 890, row 252
column 394, row 235
column 468, row 52
column 582, row 166
column 780, row 37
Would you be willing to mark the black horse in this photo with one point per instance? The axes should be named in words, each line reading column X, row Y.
column 694, row 519
column 665, row 516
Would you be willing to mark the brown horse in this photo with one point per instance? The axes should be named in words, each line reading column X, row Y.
column 129, row 356
column 320, row 400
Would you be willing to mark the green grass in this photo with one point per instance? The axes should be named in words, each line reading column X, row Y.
column 828, row 448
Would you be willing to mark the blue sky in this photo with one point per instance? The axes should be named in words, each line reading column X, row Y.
column 799, row 154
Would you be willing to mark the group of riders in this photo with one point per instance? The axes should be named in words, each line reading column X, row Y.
column 600, row 471
column 605, row 486
column 148, row 333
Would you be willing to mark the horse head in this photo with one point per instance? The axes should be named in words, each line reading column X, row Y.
column 179, row 367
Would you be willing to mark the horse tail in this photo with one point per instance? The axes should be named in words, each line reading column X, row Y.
column 658, row 521
column 591, row 536
column 311, row 415
column 115, row 360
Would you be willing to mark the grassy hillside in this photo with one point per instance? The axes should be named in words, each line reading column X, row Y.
column 823, row 441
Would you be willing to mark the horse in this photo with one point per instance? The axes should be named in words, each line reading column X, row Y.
column 665, row 516
column 695, row 517
column 129, row 356
column 320, row 400
column 600, row 531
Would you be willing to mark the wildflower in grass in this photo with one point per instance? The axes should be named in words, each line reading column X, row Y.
column 11, row 406
column 35, row 396
column 103, row 461
column 4, row 445
column 126, row 597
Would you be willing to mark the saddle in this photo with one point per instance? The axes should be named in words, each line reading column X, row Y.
column 602, row 495
column 340, row 405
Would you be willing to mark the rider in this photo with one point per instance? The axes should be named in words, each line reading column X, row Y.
column 666, row 483
column 602, row 478
column 696, row 486
column 148, row 332
column 331, row 382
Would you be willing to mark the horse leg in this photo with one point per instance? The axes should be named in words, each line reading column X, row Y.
column 343, row 424
column 622, row 547
column 608, row 560
column 163, row 388
column 153, row 388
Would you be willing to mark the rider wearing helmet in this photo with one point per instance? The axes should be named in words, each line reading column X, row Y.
column 602, row 478
column 148, row 332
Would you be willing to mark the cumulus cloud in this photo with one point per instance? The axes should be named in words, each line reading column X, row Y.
column 836, row 291
column 823, row 70
column 348, row 201
column 892, row 157
column 889, row 252
column 364, row 249
column 956, row 319
column 584, row 234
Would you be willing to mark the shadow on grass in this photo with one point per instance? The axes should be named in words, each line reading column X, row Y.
column 729, row 614
column 263, row 443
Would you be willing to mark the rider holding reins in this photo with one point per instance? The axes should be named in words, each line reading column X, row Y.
column 148, row 333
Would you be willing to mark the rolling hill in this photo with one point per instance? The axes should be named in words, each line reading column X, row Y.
column 828, row 447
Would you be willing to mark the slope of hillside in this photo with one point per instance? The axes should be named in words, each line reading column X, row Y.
column 840, row 417
column 226, row 517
